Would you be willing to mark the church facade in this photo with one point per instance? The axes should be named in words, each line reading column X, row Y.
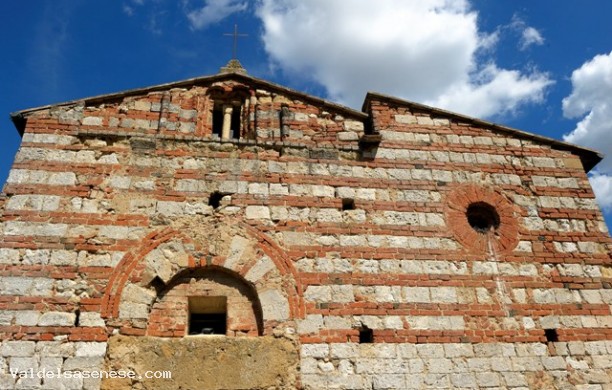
column 225, row 232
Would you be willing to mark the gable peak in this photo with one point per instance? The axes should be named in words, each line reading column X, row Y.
column 233, row 66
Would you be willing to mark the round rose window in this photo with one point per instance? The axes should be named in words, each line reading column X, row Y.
column 482, row 219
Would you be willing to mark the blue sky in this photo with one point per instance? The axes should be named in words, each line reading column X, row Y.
column 540, row 66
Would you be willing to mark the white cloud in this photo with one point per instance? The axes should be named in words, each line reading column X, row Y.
column 602, row 186
column 590, row 100
column 495, row 91
column 423, row 50
column 214, row 11
column 47, row 56
column 129, row 11
column 531, row 36
column 154, row 13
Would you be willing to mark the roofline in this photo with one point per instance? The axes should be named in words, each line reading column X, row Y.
column 18, row 117
column 589, row 157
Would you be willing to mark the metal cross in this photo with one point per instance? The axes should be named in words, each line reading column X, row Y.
column 235, row 35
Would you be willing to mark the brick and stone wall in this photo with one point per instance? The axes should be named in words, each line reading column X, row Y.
column 117, row 211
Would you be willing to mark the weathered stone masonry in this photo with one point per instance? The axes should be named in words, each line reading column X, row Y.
column 476, row 254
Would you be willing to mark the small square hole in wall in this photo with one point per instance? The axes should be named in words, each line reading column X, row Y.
column 348, row 204
column 207, row 315
column 551, row 335
column 215, row 199
column 366, row 335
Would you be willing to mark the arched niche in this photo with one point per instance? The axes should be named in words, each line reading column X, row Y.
column 206, row 301
column 169, row 262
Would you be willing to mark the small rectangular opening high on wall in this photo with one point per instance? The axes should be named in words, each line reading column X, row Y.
column 348, row 204
column 207, row 316
column 551, row 335
column 366, row 335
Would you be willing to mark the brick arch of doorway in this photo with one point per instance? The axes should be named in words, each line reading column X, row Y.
column 130, row 261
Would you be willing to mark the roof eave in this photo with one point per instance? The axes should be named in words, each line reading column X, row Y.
column 19, row 121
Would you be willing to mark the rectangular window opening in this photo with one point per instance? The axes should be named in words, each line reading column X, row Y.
column 207, row 316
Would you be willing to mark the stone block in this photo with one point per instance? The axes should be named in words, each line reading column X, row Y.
column 514, row 379
column 170, row 208
column 51, row 363
column 258, row 189
column 348, row 136
column 393, row 322
column 342, row 294
column 602, row 361
column 18, row 228
column 75, row 382
column 16, row 285
column 279, row 213
column 257, row 212
column 458, row 350
column 479, row 364
column 314, row 350
column 344, row 351
column 138, row 294
column 9, row 256
column 26, row 383
column 6, row 318
column 55, row 348
column 464, row 380
column 91, row 319
column 309, row 366
column 274, row 305
column 57, row 318
column 83, row 363
column 388, row 382
column 21, row 364
column 90, row 349
column 27, row 317
column 261, row 268
column 323, row 191
column 430, row 351
column 406, row 119
column 554, row 363
column 595, row 348
column 526, row 364
column 350, row 125
column 279, row 189
column 131, row 310
column 488, row 379
column 92, row 121
column 17, row 348
column 443, row 294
